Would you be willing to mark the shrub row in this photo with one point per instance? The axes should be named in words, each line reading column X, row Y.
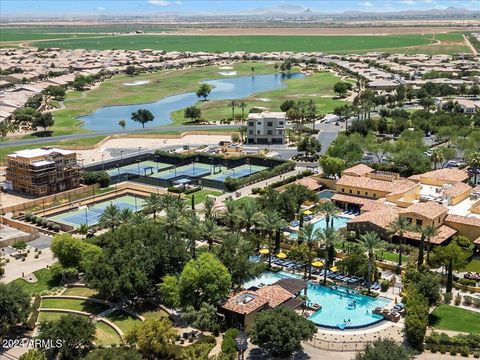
column 192, row 190
column 283, row 182
column 32, row 320
column 39, row 221
column 470, row 341
column 467, row 282
column 232, row 184
column 228, row 344
column 469, row 301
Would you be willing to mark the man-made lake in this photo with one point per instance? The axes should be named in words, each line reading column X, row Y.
column 107, row 118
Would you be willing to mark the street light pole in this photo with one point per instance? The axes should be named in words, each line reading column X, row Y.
column 139, row 160
column 103, row 165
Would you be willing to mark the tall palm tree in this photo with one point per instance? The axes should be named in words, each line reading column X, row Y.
column 231, row 214
column 153, row 204
column 209, row 207
column 110, row 217
column 272, row 222
column 242, row 131
column 309, row 235
column 168, row 200
column 399, row 227
column 173, row 221
column 436, row 157
column 232, row 104
column 126, row 216
column 331, row 211
column 371, row 243
column 211, row 231
column 138, row 218
column 249, row 215
column 429, row 232
column 192, row 228
column 474, row 162
column 327, row 238
column 243, row 105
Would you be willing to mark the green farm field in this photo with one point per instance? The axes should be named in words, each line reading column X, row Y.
column 255, row 43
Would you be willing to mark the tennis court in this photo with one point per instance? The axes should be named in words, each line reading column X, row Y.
column 236, row 172
column 90, row 215
column 144, row 168
column 193, row 170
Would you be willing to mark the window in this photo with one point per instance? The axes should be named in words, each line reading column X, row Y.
column 343, row 189
column 258, row 132
column 259, row 123
column 358, row 192
column 419, row 222
column 250, row 132
column 409, row 219
column 280, row 123
column 366, row 193
column 269, row 123
column 280, row 132
column 350, row 191
column 374, row 195
column 250, row 123
column 269, row 132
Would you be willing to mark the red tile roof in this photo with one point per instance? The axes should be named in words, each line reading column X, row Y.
column 351, row 199
column 358, row 170
column 463, row 220
column 395, row 186
column 447, row 174
column 429, row 209
column 444, row 233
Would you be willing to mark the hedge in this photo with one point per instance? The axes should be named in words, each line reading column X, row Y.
column 470, row 341
column 232, row 184
column 283, row 182
column 32, row 320
column 192, row 190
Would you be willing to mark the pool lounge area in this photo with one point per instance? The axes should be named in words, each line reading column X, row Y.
column 320, row 224
column 340, row 307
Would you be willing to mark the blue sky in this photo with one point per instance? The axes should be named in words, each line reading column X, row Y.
column 132, row 7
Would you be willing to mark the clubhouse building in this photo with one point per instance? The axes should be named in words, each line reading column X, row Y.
column 441, row 198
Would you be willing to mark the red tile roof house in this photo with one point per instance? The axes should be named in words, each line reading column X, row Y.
column 241, row 309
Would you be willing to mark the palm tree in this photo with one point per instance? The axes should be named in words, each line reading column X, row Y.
column 126, row 216
column 327, row 238
column 310, row 236
column 474, row 163
column 138, row 218
column 231, row 214
column 249, row 215
column 429, row 232
column 192, row 230
column 272, row 222
column 211, row 231
column 436, row 157
column 399, row 227
column 83, row 229
column 371, row 243
column 243, row 105
column 209, row 207
column 173, row 221
column 168, row 200
column 242, row 131
column 153, row 204
column 331, row 211
column 110, row 217
column 232, row 104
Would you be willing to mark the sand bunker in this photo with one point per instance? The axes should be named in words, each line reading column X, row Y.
column 226, row 67
column 227, row 73
column 264, row 99
column 136, row 83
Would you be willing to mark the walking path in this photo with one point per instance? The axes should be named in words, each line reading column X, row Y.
column 469, row 44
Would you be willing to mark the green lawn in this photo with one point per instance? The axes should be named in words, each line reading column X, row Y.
column 152, row 312
column 74, row 304
column 473, row 266
column 45, row 282
column 201, row 195
column 124, row 321
column 447, row 317
column 391, row 256
column 252, row 43
column 244, row 200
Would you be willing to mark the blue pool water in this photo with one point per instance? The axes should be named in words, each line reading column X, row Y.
column 334, row 302
column 338, row 223
column 107, row 118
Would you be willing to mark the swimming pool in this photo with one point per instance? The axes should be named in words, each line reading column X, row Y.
column 338, row 223
column 336, row 303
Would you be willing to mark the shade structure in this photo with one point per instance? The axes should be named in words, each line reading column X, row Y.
column 281, row 255
column 307, row 212
column 333, row 268
column 317, row 263
column 264, row 251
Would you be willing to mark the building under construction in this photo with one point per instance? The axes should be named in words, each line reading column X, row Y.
column 42, row 171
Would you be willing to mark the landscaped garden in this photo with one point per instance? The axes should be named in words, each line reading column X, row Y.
column 74, row 304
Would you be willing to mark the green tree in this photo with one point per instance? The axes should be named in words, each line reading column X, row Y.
column 33, row 355
column 58, row 92
column 24, row 118
column 110, row 218
column 204, row 319
column 6, row 127
column 153, row 338
column 399, row 227
column 234, row 252
column 327, row 238
column 310, row 145
column 192, row 229
column 193, row 113
column 243, row 106
column 271, row 222
column 473, row 160
column 122, row 123
column 281, row 331
column 331, row 211
column 142, row 116
column 72, row 252
column 14, row 306
column 436, row 157
column 310, row 236
column 332, row 166
column 211, row 231
column 153, row 204
column 427, row 233
column 371, row 243
column 203, row 91
column 76, row 334
column 43, row 120
column 383, row 349
column 131, row 70
column 232, row 104
column 340, row 88
column 168, row 289
column 203, row 280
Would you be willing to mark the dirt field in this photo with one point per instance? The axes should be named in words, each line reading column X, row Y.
column 386, row 30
